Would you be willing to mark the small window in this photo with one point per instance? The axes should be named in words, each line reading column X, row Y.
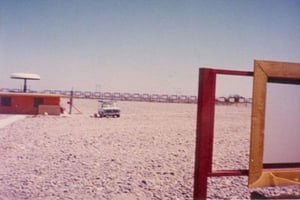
column 5, row 101
column 38, row 101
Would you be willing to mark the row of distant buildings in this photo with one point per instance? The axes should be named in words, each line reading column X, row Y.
column 117, row 96
column 14, row 101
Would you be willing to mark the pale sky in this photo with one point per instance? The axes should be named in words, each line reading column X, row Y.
column 151, row 46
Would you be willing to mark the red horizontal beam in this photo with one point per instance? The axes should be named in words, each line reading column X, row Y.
column 231, row 72
column 242, row 172
column 234, row 72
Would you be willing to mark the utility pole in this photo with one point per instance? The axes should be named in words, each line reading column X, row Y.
column 71, row 102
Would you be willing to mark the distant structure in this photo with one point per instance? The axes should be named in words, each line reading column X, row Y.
column 25, row 77
column 232, row 99
column 29, row 103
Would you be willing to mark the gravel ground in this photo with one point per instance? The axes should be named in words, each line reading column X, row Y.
column 147, row 153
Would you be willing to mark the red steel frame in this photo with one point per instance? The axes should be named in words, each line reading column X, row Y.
column 205, row 130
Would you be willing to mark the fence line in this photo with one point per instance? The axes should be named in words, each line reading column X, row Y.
column 134, row 96
column 116, row 96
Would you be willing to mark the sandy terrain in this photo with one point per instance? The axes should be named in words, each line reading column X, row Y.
column 147, row 153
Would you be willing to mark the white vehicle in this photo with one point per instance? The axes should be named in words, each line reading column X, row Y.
column 109, row 109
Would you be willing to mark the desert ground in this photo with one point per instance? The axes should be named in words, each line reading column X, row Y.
column 147, row 153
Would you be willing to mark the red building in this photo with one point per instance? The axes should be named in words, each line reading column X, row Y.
column 29, row 103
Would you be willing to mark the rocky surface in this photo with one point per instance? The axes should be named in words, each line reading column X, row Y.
column 147, row 153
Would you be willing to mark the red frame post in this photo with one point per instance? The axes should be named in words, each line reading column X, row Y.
column 205, row 131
